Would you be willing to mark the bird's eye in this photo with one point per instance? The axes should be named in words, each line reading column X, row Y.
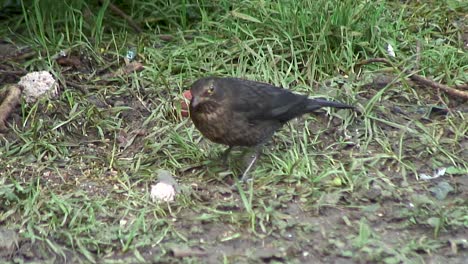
column 210, row 90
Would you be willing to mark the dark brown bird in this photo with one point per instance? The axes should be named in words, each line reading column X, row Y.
column 237, row 112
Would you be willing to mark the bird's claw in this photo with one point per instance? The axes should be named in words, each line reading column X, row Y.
column 245, row 176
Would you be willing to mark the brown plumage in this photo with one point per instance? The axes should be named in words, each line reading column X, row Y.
column 237, row 112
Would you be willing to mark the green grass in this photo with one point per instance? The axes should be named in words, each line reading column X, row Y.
column 75, row 171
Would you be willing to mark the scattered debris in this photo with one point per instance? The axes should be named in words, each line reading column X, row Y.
column 37, row 84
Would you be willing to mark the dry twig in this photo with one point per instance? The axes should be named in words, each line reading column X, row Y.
column 422, row 80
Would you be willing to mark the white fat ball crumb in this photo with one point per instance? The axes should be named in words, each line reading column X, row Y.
column 162, row 192
column 36, row 84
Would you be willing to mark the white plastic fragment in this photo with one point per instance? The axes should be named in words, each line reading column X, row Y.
column 437, row 173
column 390, row 51
column 37, row 84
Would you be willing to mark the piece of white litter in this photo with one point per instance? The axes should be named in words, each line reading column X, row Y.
column 437, row 173
column 37, row 84
column 390, row 51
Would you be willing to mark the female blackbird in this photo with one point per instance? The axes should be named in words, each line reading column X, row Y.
column 237, row 112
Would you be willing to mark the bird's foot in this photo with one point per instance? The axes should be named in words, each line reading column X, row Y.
column 241, row 183
column 245, row 175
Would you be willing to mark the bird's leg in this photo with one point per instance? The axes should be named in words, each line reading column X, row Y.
column 253, row 160
column 225, row 155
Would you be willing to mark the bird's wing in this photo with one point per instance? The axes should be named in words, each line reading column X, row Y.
column 262, row 101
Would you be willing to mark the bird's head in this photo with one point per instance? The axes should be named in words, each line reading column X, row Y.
column 206, row 92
